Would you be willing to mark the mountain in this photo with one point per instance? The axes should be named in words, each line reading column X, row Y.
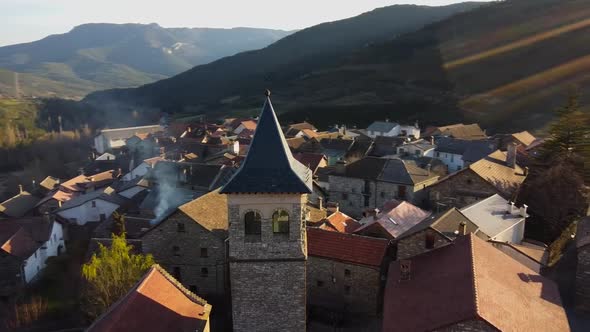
column 236, row 81
column 102, row 56
column 507, row 65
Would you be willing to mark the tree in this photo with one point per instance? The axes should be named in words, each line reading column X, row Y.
column 118, row 223
column 111, row 273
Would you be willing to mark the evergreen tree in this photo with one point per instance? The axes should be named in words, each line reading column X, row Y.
column 111, row 273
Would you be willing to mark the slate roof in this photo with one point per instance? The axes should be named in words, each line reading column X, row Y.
column 447, row 224
column 19, row 205
column 269, row 166
column 22, row 237
column 389, row 170
column 347, row 248
column 382, row 126
column 311, row 160
column 524, row 137
column 396, row 218
column 470, row 280
column 491, row 215
column 494, row 170
column 386, row 146
column 302, row 125
column 158, row 302
column 470, row 150
column 462, row 131
column 104, row 195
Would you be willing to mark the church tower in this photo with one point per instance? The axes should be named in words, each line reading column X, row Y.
column 267, row 237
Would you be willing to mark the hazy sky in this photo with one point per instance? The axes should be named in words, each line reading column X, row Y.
column 28, row 20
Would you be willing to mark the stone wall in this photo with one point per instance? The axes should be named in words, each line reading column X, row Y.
column 464, row 187
column 415, row 244
column 204, row 275
column 583, row 279
column 330, row 286
column 268, row 296
column 469, row 326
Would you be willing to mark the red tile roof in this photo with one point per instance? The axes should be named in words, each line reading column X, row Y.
column 346, row 247
column 19, row 243
column 471, row 280
column 340, row 222
column 157, row 303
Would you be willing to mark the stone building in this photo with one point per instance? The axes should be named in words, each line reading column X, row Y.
column 497, row 173
column 392, row 220
column 469, row 286
column 267, row 238
column 435, row 232
column 583, row 269
column 344, row 271
column 371, row 182
column 190, row 244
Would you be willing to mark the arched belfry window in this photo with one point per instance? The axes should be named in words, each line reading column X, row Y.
column 252, row 223
column 280, row 221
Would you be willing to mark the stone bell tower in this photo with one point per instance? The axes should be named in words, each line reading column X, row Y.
column 267, row 237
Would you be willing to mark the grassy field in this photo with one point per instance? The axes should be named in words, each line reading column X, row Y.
column 18, row 122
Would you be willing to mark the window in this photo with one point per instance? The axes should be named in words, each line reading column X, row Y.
column 204, row 252
column 401, row 192
column 346, row 289
column 176, row 250
column 429, row 241
column 320, row 283
column 180, row 227
column 177, row 274
column 192, row 288
column 204, row 272
column 252, row 223
column 438, row 154
column 54, row 237
column 346, row 272
column 280, row 221
column 93, row 204
column 345, row 196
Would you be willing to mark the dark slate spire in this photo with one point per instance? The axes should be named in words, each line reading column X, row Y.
column 269, row 166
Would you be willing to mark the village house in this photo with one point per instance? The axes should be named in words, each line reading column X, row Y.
column 245, row 125
column 371, row 181
column 339, row 222
column 18, row 206
column 335, row 149
column 158, row 302
column 25, row 245
column 190, row 244
column 129, row 189
column 582, row 240
column 392, row 129
column 344, row 272
column 434, row 232
column 457, row 154
column 303, row 129
column 142, row 169
column 419, row 148
column 459, row 131
column 386, row 146
column 109, row 139
column 498, row 218
column 469, row 286
column 523, row 138
column 497, row 173
column 530, row 253
column 392, row 221
column 95, row 206
column 313, row 161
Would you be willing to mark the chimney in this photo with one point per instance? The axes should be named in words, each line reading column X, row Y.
column 511, row 207
column 320, row 203
column 431, row 140
column 20, row 188
column 340, row 167
column 526, row 171
column 337, row 207
column 511, row 155
column 523, row 209
column 59, row 204
column 405, row 268
column 463, row 228
column 34, row 183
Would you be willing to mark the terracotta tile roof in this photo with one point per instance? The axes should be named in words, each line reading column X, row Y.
column 346, row 247
column 19, row 205
column 467, row 280
column 296, row 143
column 396, row 218
column 302, row 125
column 209, row 211
column 157, row 303
column 524, row 137
column 17, row 241
column 340, row 222
column 309, row 133
column 249, row 124
column 49, row 183
column 80, row 182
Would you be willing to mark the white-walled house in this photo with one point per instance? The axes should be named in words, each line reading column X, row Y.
column 500, row 219
column 457, row 154
column 142, row 169
column 109, row 139
column 420, row 148
column 92, row 207
column 410, row 130
column 26, row 244
column 383, row 128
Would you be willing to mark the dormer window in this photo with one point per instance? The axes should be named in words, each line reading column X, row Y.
column 280, row 222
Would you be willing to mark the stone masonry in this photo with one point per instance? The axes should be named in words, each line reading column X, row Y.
column 343, row 287
column 182, row 252
column 415, row 244
column 469, row 326
column 583, row 279
column 461, row 189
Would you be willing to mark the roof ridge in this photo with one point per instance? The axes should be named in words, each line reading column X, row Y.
column 475, row 297
column 192, row 296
